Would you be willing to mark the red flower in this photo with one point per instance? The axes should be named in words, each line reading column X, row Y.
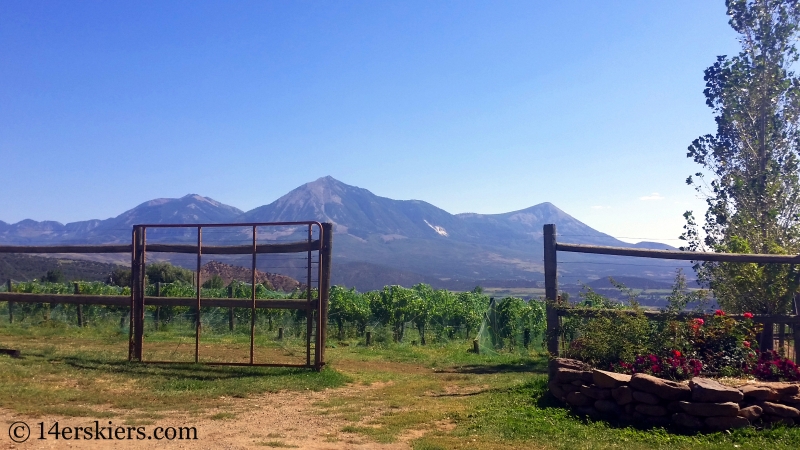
column 719, row 312
column 676, row 353
column 746, row 344
column 748, row 315
column 699, row 321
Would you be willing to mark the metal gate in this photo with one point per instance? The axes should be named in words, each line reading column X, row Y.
column 315, row 241
column 316, row 246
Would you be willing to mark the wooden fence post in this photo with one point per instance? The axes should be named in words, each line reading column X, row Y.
column 137, row 293
column 796, row 330
column 325, row 256
column 493, row 322
column 10, row 304
column 766, row 340
column 158, row 308
column 230, row 309
column 77, row 288
column 551, row 288
column 796, row 337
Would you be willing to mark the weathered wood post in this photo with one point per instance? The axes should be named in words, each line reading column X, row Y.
column 369, row 338
column 137, row 293
column 551, row 288
column 10, row 304
column 796, row 330
column 230, row 309
column 766, row 340
column 77, row 289
column 158, row 308
column 280, row 333
column 493, row 321
column 198, row 292
column 325, row 256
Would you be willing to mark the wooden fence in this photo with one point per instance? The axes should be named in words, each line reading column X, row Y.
column 775, row 326
column 317, row 308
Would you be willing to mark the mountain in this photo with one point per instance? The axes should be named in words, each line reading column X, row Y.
column 357, row 212
column 191, row 208
column 377, row 240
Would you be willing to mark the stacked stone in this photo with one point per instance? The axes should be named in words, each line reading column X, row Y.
column 699, row 404
column 773, row 402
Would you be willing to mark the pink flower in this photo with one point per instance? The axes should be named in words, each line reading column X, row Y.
column 746, row 344
column 719, row 312
column 748, row 315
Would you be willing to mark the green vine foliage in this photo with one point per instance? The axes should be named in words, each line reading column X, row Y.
column 436, row 315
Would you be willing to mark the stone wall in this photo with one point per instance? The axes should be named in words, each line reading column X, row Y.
column 701, row 403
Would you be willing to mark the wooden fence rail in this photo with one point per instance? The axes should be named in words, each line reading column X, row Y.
column 555, row 310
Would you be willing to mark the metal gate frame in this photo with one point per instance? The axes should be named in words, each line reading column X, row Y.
column 317, row 309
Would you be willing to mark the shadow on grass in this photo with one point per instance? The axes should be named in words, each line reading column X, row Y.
column 535, row 366
column 200, row 372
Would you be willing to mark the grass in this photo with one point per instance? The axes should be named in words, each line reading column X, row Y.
column 74, row 373
column 276, row 444
column 438, row 396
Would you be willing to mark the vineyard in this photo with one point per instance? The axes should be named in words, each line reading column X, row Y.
column 394, row 314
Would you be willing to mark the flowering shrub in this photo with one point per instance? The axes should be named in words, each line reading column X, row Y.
column 677, row 349
column 722, row 342
column 770, row 366
column 675, row 366
column 625, row 340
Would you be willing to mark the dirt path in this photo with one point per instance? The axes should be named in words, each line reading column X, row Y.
column 273, row 420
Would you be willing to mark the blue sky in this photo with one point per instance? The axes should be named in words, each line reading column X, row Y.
column 472, row 106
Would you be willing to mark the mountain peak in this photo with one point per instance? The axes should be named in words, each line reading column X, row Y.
column 325, row 180
column 193, row 197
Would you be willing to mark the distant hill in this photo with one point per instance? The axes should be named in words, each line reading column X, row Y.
column 26, row 268
column 230, row 273
column 630, row 282
column 377, row 240
column 652, row 246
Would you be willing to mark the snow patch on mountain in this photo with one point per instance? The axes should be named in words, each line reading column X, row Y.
column 437, row 228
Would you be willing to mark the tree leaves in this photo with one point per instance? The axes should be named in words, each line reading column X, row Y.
column 754, row 159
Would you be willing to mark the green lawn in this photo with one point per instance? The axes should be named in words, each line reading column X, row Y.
column 456, row 398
